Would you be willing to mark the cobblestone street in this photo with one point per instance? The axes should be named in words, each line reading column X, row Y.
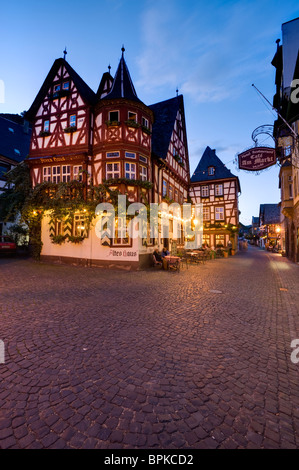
column 150, row 359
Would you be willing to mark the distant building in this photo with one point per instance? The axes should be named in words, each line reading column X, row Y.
column 286, row 101
column 14, row 147
column 269, row 225
column 213, row 185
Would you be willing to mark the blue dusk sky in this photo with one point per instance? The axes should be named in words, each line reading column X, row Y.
column 211, row 51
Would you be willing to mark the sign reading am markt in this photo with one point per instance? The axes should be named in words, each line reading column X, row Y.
column 257, row 158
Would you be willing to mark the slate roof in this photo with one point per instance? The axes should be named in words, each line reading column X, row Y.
column 269, row 214
column 86, row 93
column 107, row 77
column 165, row 114
column 13, row 137
column 122, row 86
column 210, row 159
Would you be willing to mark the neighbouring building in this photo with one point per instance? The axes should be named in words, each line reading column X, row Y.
column 254, row 231
column 214, row 186
column 86, row 139
column 286, row 101
column 14, row 147
column 270, row 226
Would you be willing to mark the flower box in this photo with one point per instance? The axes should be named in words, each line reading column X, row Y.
column 44, row 134
column 112, row 123
column 131, row 123
column 70, row 129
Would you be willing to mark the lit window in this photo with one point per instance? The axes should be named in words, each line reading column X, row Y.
column 66, row 173
column 56, row 174
column 79, row 226
column 59, row 228
column 218, row 189
column 143, row 173
column 121, row 235
column 73, row 120
column 206, row 213
column 112, row 170
column 219, row 213
column 219, row 239
column 130, row 171
column 205, row 191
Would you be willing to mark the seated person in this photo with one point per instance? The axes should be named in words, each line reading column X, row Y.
column 165, row 252
column 157, row 256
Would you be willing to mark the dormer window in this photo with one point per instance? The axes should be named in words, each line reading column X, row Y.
column 211, row 170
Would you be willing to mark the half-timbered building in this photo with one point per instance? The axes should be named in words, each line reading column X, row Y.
column 109, row 136
column 217, row 189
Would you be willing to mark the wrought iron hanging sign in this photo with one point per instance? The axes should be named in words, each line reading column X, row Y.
column 257, row 158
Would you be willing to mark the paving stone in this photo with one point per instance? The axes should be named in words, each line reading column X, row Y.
column 107, row 361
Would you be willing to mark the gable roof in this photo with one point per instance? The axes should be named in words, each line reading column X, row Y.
column 210, row 159
column 165, row 114
column 14, row 138
column 122, row 86
column 269, row 214
column 86, row 93
column 105, row 81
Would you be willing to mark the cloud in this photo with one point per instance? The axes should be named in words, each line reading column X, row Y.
column 209, row 53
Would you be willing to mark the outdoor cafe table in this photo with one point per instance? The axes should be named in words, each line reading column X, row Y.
column 170, row 260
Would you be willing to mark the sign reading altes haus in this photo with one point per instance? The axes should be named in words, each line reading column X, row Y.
column 257, row 158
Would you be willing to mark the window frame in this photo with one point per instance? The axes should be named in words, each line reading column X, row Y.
column 73, row 123
column 130, row 172
column 49, row 175
column 143, row 173
column 66, row 175
column 206, row 214
column 202, row 191
column 222, row 209
column 111, row 112
column 113, row 171
column 56, row 175
column 128, row 155
column 217, row 187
